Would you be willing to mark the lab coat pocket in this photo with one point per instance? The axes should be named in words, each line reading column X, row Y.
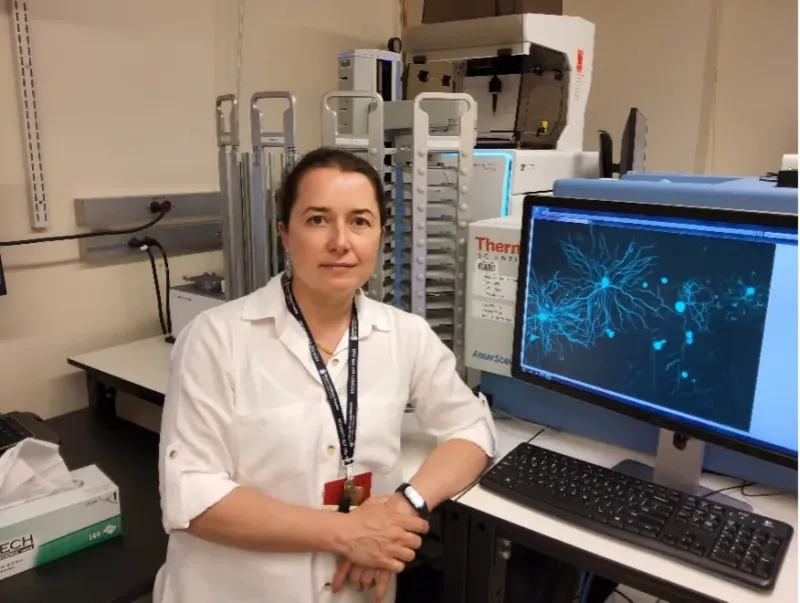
column 274, row 449
column 380, row 421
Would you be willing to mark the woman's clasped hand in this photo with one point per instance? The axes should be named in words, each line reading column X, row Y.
column 379, row 538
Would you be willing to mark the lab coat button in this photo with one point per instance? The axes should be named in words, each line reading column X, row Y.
column 335, row 362
column 173, row 454
column 331, row 449
column 327, row 586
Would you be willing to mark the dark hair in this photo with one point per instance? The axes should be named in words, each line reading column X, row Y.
column 327, row 157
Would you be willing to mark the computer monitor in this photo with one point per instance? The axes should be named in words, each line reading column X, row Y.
column 683, row 317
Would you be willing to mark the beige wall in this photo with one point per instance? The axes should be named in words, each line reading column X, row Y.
column 755, row 117
column 126, row 90
column 126, row 93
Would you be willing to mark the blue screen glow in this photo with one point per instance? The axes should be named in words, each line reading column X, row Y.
column 692, row 320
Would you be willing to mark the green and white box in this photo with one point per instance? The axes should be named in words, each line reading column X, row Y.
column 48, row 528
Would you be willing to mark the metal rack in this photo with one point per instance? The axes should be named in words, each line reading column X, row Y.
column 423, row 148
column 248, row 187
column 370, row 145
column 266, row 171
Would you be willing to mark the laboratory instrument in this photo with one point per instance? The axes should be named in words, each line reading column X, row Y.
column 423, row 149
column 531, row 76
column 198, row 293
column 492, row 277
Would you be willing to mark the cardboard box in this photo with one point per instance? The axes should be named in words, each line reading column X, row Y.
column 46, row 529
column 440, row 11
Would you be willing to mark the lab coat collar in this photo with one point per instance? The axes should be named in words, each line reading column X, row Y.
column 268, row 302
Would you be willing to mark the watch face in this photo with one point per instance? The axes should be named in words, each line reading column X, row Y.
column 415, row 498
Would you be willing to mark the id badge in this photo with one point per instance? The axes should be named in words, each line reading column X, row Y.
column 358, row 489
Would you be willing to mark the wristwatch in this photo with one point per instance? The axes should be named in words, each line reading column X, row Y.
column 414, row 499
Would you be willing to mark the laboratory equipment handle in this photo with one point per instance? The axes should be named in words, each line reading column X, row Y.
column 445, row 96
column 286, row 139
column 265, row 253
column 330, row 121
column 231, row 136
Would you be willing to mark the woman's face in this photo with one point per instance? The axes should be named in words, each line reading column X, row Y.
column 334, row 231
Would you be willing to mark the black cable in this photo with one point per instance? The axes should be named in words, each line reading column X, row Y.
column 157, row 288
column 623, row 595
column 759, row 494
column 145, row 243
column 741, row 487
column 154, row 243
column 537, row 434
column 727, row 488
column 162, row 210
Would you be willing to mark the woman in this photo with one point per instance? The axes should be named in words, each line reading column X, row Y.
column 277, row 398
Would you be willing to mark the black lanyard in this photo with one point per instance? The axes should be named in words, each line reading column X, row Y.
column 346, row 431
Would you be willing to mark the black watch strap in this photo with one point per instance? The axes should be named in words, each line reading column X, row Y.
column 414, row 499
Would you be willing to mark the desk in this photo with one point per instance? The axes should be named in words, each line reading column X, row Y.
column 119, row 570
column 140, row 368
column 492, row 517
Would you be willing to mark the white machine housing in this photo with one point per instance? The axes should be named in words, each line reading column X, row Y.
column 789, row 162
column 367, row 70
column 557, row 55
column 493, row 255
column 187, row 301
column 520, row 149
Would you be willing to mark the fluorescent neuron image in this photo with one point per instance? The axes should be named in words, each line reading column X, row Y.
column 667, row 318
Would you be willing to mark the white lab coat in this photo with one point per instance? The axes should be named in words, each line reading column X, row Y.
column 245, row 406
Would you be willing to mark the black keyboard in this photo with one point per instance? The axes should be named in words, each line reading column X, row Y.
column 11, row 432
column 743, row 547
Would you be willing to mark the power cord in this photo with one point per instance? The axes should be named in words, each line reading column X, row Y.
column 145, row 244
column 160, row 248
column 161, row 208
column 157, row 285
column 759, row 494
column 727, row 489
column 741, row 487
column 623, row 595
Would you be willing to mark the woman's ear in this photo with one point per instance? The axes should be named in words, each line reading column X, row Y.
column 283, row 233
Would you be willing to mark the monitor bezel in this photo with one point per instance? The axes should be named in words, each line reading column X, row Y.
column 732, row 216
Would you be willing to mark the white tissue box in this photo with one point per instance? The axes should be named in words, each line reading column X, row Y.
column 45, row 529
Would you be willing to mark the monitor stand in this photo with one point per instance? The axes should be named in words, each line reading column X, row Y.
column 679, row 465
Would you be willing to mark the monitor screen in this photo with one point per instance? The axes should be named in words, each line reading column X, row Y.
column 684, row 317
